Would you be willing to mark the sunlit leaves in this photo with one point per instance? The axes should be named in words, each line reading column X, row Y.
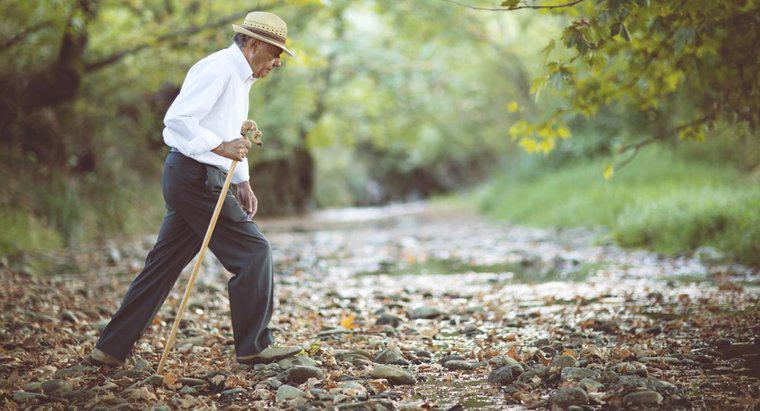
column 609, row 170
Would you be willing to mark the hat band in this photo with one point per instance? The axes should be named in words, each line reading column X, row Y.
column 265, row 34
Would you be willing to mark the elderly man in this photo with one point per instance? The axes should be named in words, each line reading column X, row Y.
column 202, row 129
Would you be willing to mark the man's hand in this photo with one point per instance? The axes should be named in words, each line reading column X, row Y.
column 247, row 199
column 236, row 149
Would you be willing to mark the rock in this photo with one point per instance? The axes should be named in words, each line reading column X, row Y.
column 390, row 356
column 56, row 387
column 562, row 361
column 33, row 387
column 591, row 385
column 272, row 354
column 23, row 396
column 450, row 357
column 271, row 383
column 80, row 395
column 192, row 382
column 631, row 383
column 591, row 351
column 394, row 375
column 565, row 397
column 233, row 391
column 70, row 317
column 642, row 398
column 352, row 389
column 291, row 362
column 502, row 376
column 154, row 380
column 72, row 372
column 632, row 367
column 423, row 354
column 142, row 366
column 349, row 355
column 188, row 390
column 660, row 360
column 373, row 404
column 300, row 373
column 390, row 331
column 460, row 365
column 577, row 374
column 287, row 393
column 388, row 319
column 425, row 312
column 540, row 342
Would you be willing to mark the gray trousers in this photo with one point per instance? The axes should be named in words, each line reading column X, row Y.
column 190, row 190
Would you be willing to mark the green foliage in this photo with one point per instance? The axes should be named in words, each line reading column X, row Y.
column 667, row 202
column 686, row 64
column 727, row 218
column 22, row 232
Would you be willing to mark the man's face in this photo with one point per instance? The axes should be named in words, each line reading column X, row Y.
column 263, row 57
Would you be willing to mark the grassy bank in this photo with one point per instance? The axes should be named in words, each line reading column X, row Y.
column 662, row 201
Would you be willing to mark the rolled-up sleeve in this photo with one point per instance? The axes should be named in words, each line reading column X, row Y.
column 241, row 171
column 198, row 94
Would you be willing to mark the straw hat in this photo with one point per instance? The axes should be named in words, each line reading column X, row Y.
column 266, row 27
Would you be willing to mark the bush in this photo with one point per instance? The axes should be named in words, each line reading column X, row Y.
column 725, row 218
column 662, row 200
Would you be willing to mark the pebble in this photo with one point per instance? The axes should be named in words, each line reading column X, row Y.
column 631, row 367
column 426, row 312
column 300, row 373
column 390, row 356
column 233, row 391
column 388, row 319
column 188, row 390
column 502, row 376
column 562, row 361
column 460, row 365
column 154, row 380
column 591, row 385
column 71, row 372
column 33, row 387
column 565, row 397
column 56, row 387
column 288, row 392
column 291, row 362
column 643, row 398
column 665, row 360
column 273, row 354
column 352, row 389
column 393, row 374
column 450, row 357
column 577, row 374
column 23, row 396
column 193, row 382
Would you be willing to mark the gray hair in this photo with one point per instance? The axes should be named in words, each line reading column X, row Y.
column 241, row 39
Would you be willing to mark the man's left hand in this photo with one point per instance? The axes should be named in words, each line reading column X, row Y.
column 247, row 199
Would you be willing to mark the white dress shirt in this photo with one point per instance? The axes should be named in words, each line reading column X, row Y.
column 210, row 108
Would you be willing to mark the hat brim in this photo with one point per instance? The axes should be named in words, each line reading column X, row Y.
column 243, row 30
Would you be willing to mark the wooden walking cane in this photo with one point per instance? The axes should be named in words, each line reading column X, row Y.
column 248, row 130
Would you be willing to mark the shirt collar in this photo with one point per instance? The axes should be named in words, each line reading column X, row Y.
column 242, row 68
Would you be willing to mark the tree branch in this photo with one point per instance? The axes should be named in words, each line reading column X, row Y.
column 9, row 42
column 637, row 146
column 525, row 6
column 187, row 31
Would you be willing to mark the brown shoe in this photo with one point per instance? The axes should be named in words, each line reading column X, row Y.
column 270, row 354
column 102, row 358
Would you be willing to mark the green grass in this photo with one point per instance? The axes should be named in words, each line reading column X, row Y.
column 661, row 201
